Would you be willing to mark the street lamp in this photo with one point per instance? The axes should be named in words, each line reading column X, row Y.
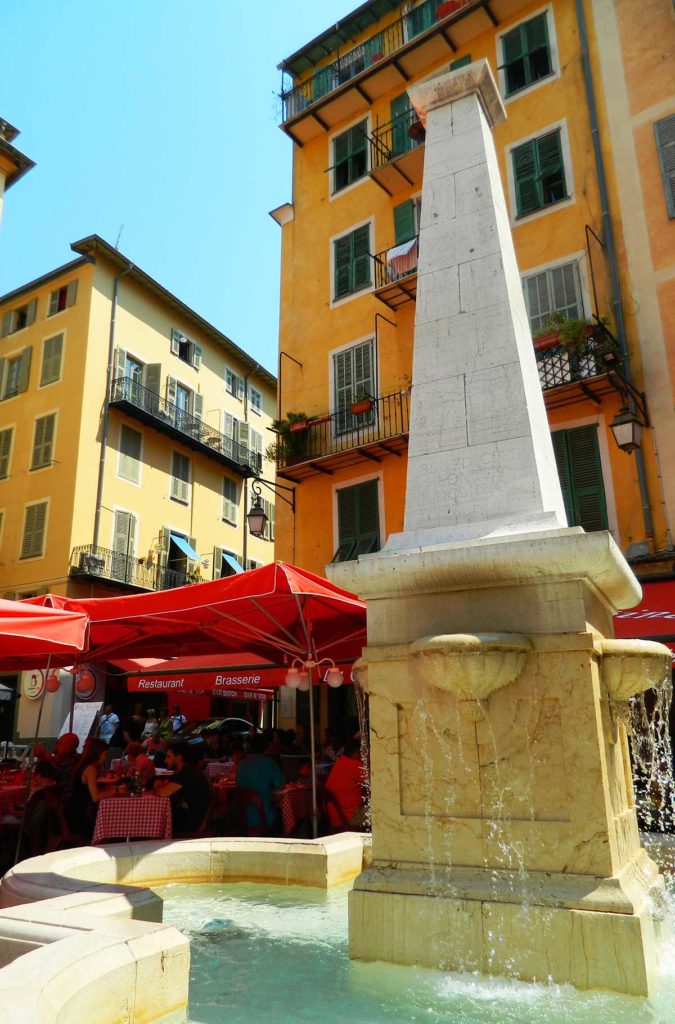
column 627, row 430
column 256, row 516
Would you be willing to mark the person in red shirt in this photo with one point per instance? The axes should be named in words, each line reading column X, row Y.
column 345, row 783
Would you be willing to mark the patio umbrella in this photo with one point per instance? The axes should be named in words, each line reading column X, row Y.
column 278, row 612
column 29, row 635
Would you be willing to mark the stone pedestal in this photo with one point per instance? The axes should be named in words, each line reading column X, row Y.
column 504, row 834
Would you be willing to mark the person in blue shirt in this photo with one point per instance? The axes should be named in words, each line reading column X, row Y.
column 260, row 772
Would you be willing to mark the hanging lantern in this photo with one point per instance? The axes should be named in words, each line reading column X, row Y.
column 53, row 684
column 303, row 680
column 334, row 677
column 85, row 684
column 292, row 678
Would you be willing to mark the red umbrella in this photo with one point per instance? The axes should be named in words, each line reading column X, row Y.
column 278, row 612
column 30, row 635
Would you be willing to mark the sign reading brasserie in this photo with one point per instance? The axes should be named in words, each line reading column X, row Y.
column 189, row 682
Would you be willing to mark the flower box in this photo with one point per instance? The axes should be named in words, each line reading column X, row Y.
column 364, row 405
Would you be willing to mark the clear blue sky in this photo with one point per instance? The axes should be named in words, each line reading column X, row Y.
column 162, row 116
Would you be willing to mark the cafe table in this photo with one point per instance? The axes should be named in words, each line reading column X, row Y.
column 137, row 817
column 294, row 800
column 217, row 770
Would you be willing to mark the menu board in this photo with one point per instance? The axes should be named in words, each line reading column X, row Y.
column 85, row 715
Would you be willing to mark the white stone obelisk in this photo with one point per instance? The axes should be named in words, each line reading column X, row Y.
column 504, row 831
column 480, row 459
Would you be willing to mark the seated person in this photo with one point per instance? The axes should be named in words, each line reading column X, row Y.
column 155, row 747
column 86, row 793
column 345, row 784
column 188, row 788
column 260, row 772
column 65, row 760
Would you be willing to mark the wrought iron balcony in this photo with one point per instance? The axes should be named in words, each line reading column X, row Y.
column 397, row 153
column 396, row 274
column 97, row 563
column 585, row 370
column 345, row 437
column 151, row 408
column 400, row 51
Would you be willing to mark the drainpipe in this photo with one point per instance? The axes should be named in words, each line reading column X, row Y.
column 106, row 405
column 611, row 250
column 244, row 549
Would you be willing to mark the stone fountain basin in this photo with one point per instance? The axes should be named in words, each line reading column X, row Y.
column 470, row 665
column 631, row 666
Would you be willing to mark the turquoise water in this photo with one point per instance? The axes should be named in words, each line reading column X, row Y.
column 273, row 954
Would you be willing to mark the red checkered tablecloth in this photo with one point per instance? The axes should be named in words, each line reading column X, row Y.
column 295, row 803
column 138, row 817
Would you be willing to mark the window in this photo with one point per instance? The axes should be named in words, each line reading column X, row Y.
column 407, row 220
column 578, row 459
column 401, row 118
column 256, row 401
column 252, row 564
column 419, row 20
column 129, row 465
column 52, row 351
column 230, row 501
column 185, row 349
column 526, row 54
column 255, row 445
column 225, row 563
column 551, row 291
column 43, row 442
column 353, row 377
column 461, row 62
column 231, row 432
column 34, row 529
column 350, row 156
column 180, row 478
column 122, row 562
column 665, row 142
column 358, row 521
column 539, row 173
column 187, row 407
column 15, row 373
column 234, row 384
column 132, row 376
column 270, row 512
column 352, row 261
column 6, row 438
column 16, row 319
column 62, row 298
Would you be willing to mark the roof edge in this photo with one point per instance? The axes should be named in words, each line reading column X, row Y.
column 37, row 282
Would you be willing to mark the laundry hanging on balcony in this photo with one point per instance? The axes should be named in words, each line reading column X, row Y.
column 402, row 259
column 186, row 548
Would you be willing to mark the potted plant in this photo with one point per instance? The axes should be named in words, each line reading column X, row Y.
column 291, row 443
column 447, row 8
column 417, row 132
column 362, row 402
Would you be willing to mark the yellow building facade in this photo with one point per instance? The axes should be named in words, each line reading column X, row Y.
column 130, row 430
column 13, row 163
column 349, row 250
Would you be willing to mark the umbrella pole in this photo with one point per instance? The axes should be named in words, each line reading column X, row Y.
column 29, row 770
column 72, row 702
column 312, row 753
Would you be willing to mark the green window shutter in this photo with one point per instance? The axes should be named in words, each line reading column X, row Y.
column 525, row 177
column 322, row 82
column 120, row 364
column 176, row 338
column 404, row 222
column 363, row 369
column 5, row 451
column 344, row 380
column 590, row 510
column 358, row 520
column 665, row 142
column 551, row 170
column 217, row 563
column 421, row 18
column 461, row 62
column 343, row 265
column 347, row 522
column 71, row 293
column 361, row 256
column 34, row 524
column 559, row 439
column 536, row 33
column 197, row 356
column 6, row 323
column 130, row 454
column 152, row 377
column 31, row 311
column 124, row 534
column 52, row 351
column 400, row 121
column 24, row 375
column 171, row 390
column 230, row 501
column 43, row 442
column 53, row 303
column 197, row 405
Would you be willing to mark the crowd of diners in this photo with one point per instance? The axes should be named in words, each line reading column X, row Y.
column 123, row 758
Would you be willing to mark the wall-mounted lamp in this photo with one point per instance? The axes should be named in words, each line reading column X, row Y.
column 627, row 430
column 256, row 515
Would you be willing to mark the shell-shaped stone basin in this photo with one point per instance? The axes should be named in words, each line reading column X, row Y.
column 470, row 665
column 631, row 666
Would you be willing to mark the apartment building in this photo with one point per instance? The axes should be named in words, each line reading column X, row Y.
column 13, row 163
column 569, row 74
column 130, row 431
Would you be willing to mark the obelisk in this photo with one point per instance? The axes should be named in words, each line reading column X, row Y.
column 504, row 832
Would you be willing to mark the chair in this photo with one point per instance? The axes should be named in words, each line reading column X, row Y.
column 328, row 801
column 242, row 799
column 35, row 819
column 204, row 828
column 59, row 835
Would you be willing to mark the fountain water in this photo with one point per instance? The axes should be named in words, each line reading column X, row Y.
column 526, row 858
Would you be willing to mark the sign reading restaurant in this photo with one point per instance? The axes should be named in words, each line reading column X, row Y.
column 189, row 682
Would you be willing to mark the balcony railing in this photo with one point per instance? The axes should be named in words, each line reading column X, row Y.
column 148, row 405
column 561, row 364
column 396, row 138
column 103, row 564
column 372, row 51
column 343, row 431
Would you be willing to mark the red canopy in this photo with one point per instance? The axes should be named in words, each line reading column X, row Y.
column 653, row 618
column 30, row 635
column 277, row 612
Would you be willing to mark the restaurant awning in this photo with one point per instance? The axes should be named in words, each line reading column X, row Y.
column 653, row 618
column 230, row 672
column 31, row 635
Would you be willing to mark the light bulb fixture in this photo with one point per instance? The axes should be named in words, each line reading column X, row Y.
column 292, row 678
column 303, row 680
column 256, row 516
column 627, row 430
column 334, row 677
